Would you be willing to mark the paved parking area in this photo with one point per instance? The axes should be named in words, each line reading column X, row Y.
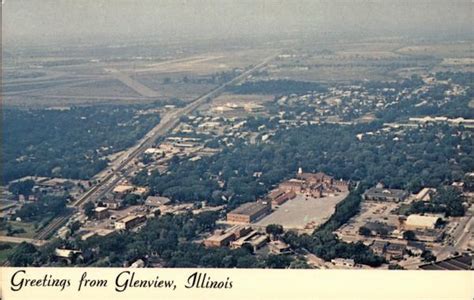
column 298, row 212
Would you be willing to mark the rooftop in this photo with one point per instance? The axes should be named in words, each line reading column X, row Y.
column 383, row 192
column 128, row 218
column 156, row 201
column 422, row 221
column 249, row 208
column 220, row 237
column 122, row 188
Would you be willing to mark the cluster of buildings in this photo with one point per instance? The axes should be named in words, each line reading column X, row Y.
column 239, row 236
column 425, row 227
column 311, row 185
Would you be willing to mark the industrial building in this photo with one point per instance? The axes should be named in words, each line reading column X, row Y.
column 249, row 212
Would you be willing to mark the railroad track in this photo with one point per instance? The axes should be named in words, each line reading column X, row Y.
column 49, row 230
column 168, row 123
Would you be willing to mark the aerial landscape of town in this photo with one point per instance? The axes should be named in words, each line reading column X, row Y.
column 291, row 150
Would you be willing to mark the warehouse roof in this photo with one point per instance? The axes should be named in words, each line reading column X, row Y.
column 249, row 208
column 422, row 221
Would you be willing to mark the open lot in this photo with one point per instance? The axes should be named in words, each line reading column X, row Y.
column 241, row 99
column 28, row 228
column 298, row 212
column 41, row 80
column 369, row 212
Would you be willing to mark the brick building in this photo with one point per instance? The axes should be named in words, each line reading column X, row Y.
column 249, row 212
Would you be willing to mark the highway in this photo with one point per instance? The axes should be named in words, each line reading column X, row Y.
column 168, row 122
column 458, row 239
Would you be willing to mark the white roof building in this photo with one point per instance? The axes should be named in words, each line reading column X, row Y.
column 419, row 221
column 123, row 189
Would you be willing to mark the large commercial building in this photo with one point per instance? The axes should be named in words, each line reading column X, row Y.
column 421, row 222
column 249, row 212
column 383, row 194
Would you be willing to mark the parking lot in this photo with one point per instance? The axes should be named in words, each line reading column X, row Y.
column 301, row 211
column 370, row 212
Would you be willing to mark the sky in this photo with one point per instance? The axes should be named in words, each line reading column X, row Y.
column 57, row 21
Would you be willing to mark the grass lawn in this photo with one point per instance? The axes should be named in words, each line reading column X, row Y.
column 29, row 229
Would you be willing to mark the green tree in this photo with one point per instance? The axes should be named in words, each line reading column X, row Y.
column 89, row 208
column 274, row 229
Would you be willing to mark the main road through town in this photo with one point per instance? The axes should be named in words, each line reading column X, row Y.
column 108, row 178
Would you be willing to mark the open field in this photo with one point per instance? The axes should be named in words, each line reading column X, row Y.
column 374, row 60
column 296, row 213
column 455, row 50
column 46, row 81
column 29, row 229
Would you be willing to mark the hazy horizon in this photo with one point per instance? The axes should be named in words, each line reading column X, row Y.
column 63, row 21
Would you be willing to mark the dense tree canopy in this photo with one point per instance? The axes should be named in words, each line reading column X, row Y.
column 69, row 143
column 411, row 158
